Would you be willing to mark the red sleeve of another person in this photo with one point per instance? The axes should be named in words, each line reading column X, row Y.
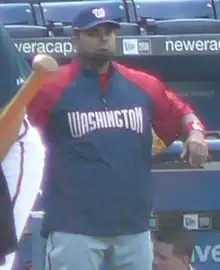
column 41, row 106
column 168, row 109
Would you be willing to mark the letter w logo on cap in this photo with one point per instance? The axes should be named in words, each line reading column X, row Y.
column 99, row 13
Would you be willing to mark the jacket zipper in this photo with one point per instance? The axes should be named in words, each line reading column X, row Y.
column 105, row 102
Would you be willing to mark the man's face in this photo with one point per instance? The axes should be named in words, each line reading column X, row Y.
column 96, row 43
column 165, row 258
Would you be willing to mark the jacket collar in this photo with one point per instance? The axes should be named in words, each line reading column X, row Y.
column 90, row 73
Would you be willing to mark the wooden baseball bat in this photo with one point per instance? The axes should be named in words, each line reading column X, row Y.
column 43, row 66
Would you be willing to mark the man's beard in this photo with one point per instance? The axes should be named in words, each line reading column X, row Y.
column 97, row 59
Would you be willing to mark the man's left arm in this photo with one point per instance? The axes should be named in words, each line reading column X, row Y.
column 172, row 119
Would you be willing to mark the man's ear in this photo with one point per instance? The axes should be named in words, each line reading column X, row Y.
column 76, row 33
column 75, row 37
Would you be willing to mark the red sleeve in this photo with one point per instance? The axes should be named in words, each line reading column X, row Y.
column 43, row 103
column 168, row 110
column 168, row 113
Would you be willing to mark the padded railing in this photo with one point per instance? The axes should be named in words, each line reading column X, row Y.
column 172, row 153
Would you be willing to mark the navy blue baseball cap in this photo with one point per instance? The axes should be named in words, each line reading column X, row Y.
column 92, row 17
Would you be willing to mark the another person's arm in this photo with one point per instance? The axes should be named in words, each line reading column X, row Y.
column 13, row 70
column 10, row 136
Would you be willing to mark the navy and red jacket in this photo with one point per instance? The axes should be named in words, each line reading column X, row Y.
column 97, row 178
